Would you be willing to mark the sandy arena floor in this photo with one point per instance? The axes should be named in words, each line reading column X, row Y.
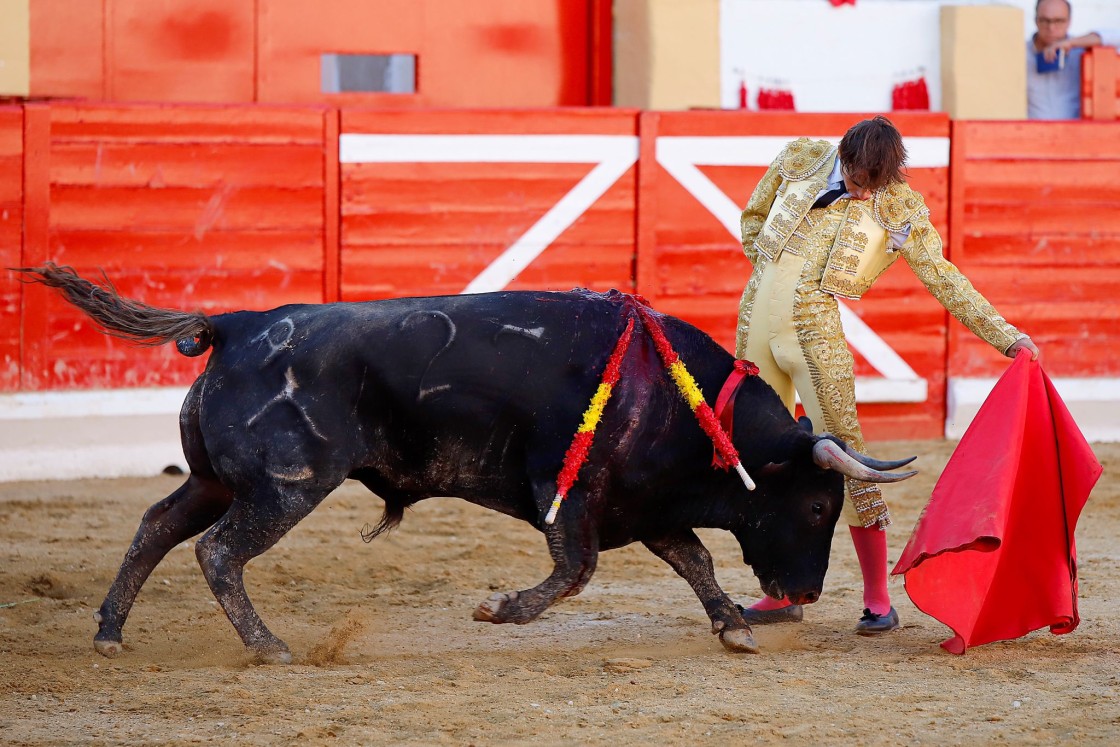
column 386, row 652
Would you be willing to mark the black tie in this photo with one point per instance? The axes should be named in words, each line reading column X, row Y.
column 830, row 196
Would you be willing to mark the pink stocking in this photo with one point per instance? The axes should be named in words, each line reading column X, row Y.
column 769, row 603
column 871, row 549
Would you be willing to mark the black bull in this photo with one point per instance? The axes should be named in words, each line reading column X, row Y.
column 475, row 396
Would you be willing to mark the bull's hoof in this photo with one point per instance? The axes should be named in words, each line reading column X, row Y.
column 108, row 649
column 738, row 640
column 272, row 656
column 491, row 610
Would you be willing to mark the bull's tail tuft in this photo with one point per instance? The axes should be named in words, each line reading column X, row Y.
column 124, row 318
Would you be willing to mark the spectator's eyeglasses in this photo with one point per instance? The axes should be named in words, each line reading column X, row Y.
column 1051, row 21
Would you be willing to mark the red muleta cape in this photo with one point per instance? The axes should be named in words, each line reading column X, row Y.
column 992, row 555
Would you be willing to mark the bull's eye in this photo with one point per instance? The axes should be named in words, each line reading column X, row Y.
column 818, row 508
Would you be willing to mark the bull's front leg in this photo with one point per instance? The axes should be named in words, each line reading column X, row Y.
column 684, row 552
column 575, row 552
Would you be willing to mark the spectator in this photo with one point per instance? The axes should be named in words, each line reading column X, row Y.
column 1054, row 61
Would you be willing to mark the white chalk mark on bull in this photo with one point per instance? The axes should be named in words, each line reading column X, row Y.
column 288, row 395
column 277, row 336
column 298, row 474
column 423, row 391
column 535, row 333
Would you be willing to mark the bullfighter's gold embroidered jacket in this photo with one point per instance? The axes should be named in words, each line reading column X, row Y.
column 861, row 249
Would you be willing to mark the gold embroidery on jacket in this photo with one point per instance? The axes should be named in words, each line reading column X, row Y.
column 803, row 157
column 895, row 205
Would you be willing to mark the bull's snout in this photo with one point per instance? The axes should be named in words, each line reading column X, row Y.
column 807, row 598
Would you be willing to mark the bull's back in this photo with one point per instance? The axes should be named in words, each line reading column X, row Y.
column 463, row 389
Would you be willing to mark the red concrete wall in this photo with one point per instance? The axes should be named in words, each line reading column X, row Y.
column 500, row 53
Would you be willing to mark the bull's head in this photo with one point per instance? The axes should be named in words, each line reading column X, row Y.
column 787, row 536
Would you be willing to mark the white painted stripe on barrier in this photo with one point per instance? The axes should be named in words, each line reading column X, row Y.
column 91, row 403
column 73, row 460
column 359, row 148
column 761, row 150
column 681, row 168
column 874, row 349
column 509, row 264
column 91, row 433
column 134, row 432
column 1094, row 404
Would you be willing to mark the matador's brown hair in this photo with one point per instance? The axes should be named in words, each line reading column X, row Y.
column 873, row 154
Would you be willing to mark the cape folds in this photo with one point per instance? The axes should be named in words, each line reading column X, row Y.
column 993, row 555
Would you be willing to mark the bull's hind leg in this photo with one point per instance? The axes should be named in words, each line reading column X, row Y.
column 692, row 561
column 196, row 505
column 575, row 553
column 250, row 527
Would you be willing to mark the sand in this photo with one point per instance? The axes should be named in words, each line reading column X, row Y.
column 386, row 653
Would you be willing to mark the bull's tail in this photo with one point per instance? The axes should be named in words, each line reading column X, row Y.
column 124, row 318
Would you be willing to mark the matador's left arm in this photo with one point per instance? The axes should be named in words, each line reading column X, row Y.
column 923, row 252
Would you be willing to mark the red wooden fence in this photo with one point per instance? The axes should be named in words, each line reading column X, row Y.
column 1035, row 226
column 431, row 201
column 213, row 208
column 11, row 239
column 1100, row 84
column 219, row 207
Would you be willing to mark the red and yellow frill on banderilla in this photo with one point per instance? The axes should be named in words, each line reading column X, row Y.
column 726, row 455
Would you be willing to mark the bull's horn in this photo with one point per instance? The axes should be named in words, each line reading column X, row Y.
column 830, row 456
column 874, row 463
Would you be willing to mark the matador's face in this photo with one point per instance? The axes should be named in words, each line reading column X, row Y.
column 856, row 184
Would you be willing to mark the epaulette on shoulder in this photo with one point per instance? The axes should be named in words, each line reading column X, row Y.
column 802, row 157
column 896, row 205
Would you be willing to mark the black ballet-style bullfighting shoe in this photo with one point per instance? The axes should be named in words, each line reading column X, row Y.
column 872, row 624
column 791, row 614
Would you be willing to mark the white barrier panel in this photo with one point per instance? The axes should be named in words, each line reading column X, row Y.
column 135, row 432
column 90, row 433
column 1093, row 403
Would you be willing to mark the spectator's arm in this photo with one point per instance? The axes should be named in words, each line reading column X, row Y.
column 1109, row 38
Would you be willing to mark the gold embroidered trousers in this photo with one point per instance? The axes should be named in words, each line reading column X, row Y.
column 791, row 330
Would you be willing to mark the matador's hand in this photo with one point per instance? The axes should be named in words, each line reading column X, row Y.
column 1023, row 343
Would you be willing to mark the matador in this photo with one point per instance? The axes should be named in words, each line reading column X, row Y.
column 824, row 223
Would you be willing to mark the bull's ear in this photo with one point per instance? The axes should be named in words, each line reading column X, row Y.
column 805, row 423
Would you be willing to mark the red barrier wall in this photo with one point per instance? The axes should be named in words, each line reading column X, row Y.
column 418, row 223
column 11, row 240
column 1100, row 84
column 1035, row 227
column 221, row 207
column 193, row 207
